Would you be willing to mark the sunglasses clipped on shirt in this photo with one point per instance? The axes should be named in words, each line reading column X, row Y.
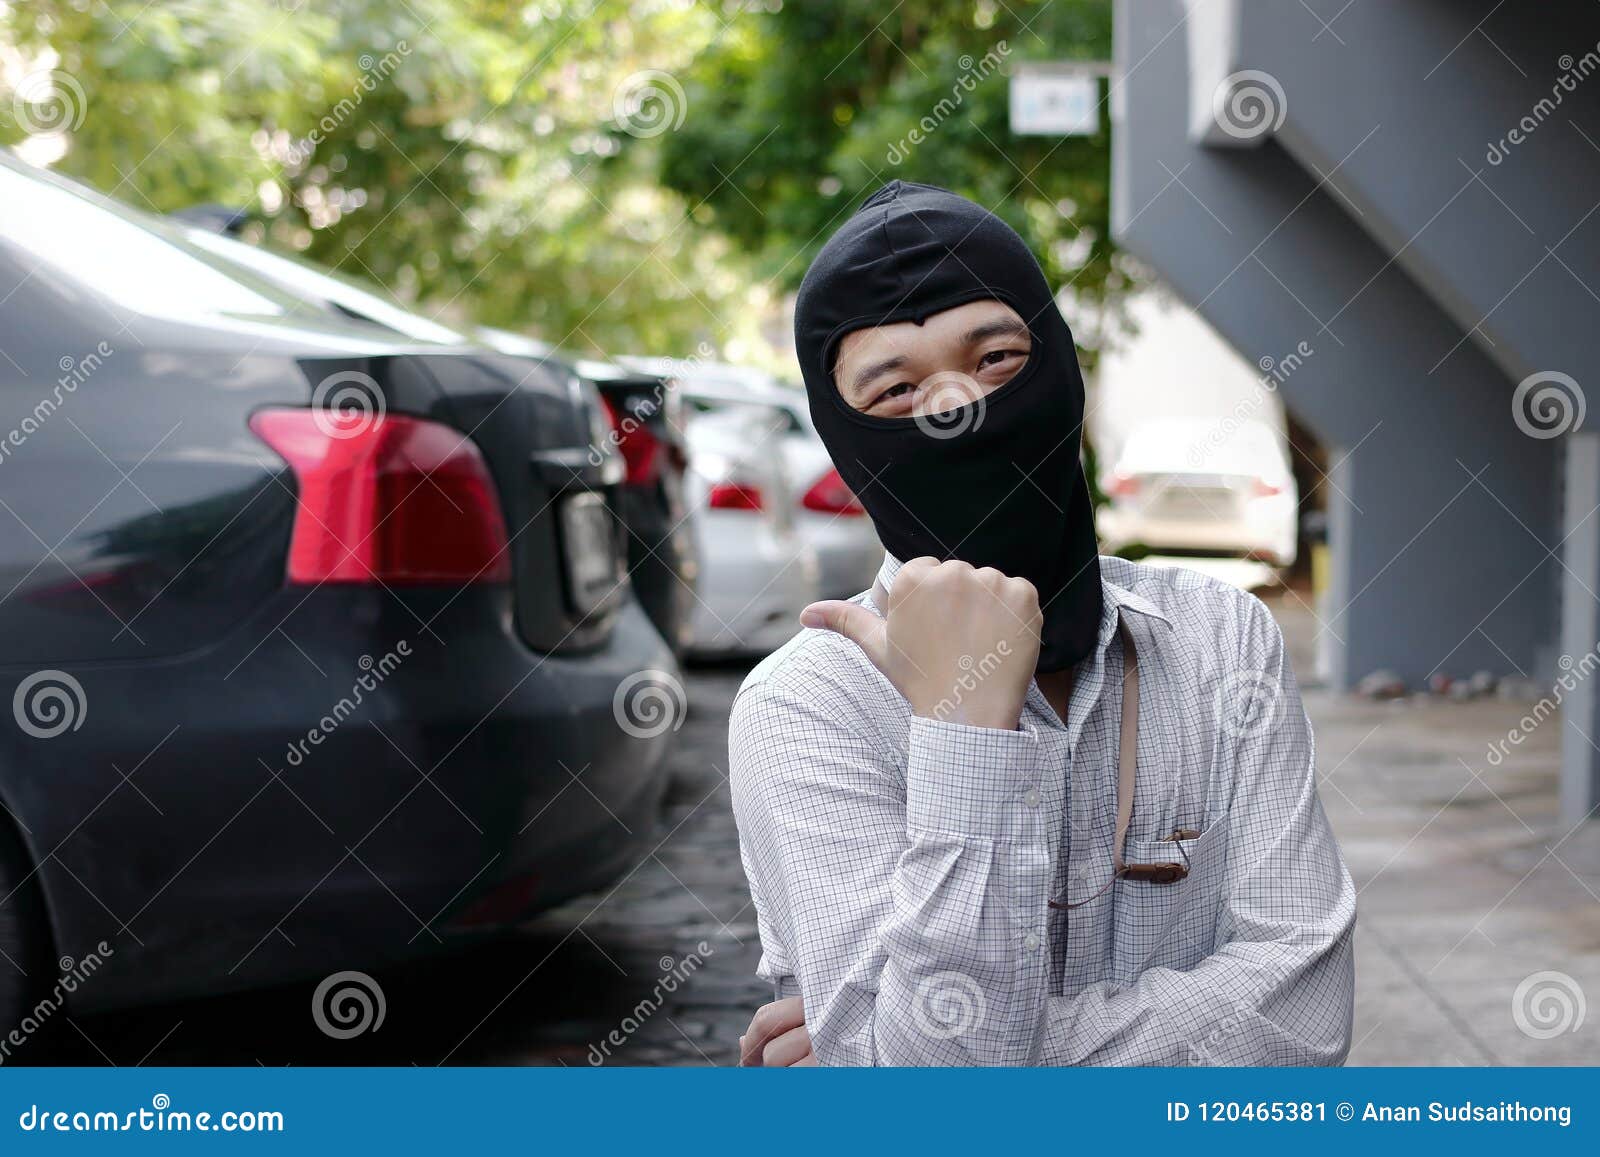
column 1163, row 872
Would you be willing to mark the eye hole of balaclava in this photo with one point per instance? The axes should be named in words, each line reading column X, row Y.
column 930, row 368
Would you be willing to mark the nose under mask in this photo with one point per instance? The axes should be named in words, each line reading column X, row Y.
column 997, row 481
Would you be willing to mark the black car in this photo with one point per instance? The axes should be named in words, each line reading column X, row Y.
column 317, row 639
column 642, row 411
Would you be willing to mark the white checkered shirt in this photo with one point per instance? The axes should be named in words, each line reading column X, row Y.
column 902, row 867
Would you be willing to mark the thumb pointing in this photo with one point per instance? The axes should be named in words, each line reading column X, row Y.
column 853, row 621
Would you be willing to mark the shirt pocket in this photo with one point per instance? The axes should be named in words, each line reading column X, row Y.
column 1168, row 925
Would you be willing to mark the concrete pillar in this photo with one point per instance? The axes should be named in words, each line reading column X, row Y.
column 1580, row 629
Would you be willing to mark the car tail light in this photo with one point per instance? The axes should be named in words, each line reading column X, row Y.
column 735, row 496
column 1123, row 485
column 506, row 903
column 387, row 499
column 1261, row 488
column 830, row 495
column 641, row 449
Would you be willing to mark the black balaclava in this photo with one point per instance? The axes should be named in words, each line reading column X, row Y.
column 996, row 482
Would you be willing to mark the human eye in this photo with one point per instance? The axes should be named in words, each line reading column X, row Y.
column 1008, row 360
column 895, row 398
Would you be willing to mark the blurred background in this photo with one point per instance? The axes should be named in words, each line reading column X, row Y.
column 404, row 461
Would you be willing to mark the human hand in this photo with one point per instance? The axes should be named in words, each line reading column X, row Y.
column 777, row 1037
column 959, row 643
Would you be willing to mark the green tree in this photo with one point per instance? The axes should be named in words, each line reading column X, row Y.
column 484, row 159
column 803, row 109
column 623, row 175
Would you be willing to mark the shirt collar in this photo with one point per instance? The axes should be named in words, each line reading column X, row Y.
column 1117, row 599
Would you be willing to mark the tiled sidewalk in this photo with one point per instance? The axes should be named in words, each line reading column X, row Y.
column 1468, row 883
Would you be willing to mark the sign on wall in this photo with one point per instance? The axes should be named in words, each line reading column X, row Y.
column 1056, row 99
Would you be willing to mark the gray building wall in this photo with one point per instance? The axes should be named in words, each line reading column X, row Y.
column 1341, row 199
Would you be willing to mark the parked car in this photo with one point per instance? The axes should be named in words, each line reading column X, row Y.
column 646, row 425
column 641, row 419
column 826, row 512
column 1210, row 486
column 309, row 627
column 759, row 572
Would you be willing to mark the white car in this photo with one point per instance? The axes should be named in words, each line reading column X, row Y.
column 1215, row 485
column 757, row 571
column 826, row 512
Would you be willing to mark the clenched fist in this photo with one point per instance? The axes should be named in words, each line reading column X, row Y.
column 959, row 643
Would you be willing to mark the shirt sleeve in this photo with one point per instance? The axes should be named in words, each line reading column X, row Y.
column 1280, row 987
column 911, row 913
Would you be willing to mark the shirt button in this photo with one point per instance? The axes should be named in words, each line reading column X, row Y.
column 1031, row 797
column 1030, row 942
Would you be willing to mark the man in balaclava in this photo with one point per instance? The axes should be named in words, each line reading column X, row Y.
column 1017, row 804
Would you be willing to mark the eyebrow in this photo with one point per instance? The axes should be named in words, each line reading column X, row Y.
column 1005, row 327
column 868, row 372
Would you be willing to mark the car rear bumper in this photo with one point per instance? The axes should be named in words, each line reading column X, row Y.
column 849, row 554
column 753, row 588
column 1272, row 537
column 349, row 779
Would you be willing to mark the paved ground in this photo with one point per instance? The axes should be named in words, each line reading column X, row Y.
column 1468, row 888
